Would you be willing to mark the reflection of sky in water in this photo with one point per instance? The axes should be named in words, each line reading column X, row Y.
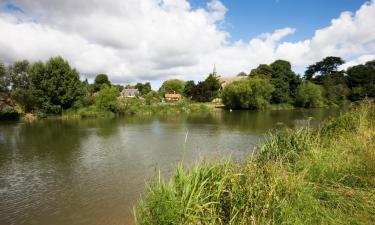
column 93, row 171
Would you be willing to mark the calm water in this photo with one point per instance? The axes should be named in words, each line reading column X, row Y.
column 93, row 171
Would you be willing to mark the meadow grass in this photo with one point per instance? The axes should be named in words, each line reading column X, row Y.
column 323, row 175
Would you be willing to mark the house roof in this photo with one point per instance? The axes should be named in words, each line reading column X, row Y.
column 129, row 92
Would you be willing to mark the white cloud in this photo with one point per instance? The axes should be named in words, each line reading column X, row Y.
column 140, row 40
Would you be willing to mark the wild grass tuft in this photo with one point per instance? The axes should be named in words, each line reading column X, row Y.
column 324, row 175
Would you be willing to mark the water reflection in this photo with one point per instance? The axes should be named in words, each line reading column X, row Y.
column 93, row 171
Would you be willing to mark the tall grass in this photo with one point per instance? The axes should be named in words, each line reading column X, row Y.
column 324, row 175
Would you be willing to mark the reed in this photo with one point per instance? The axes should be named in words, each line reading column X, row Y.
column 324, row 175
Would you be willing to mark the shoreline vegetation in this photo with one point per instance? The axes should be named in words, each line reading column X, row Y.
column 55, row 89
column 323, row 175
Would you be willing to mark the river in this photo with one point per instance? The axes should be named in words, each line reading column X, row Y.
column 92, row 172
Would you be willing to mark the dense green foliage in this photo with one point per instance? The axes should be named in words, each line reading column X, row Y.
column 100, row 80
column 204, row 91
column 143, row 89
column 250, row 93
column 53, row 87
column 309, row 95
column 106, row 99
column 304, row 176
column 172, row 86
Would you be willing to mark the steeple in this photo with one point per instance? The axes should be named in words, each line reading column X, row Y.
column 214, row 73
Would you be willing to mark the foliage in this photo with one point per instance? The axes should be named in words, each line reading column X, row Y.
column 303, row 176
column 143, row 89
column 309, row 95
column 250, row 93
column 100, row 80
column 361, row 80
column 8, row 113
column 189, row 88
column 262, row 71
column 172, row 86
column 323, row 68
column 106, row 100
column 4, row 82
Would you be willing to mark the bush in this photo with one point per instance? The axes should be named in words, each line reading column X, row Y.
column 309, row 95
column 250, row 93
column 106, row 99
column 9, row 113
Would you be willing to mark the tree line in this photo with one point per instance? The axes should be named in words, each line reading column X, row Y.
column 54, row 86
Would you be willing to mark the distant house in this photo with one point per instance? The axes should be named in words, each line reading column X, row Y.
column 172, row 97
column 129, row 92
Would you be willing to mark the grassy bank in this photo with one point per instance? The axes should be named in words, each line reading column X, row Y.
column 140, row 108
column 305, row 176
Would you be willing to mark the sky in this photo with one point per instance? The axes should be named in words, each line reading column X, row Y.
column 154, row 40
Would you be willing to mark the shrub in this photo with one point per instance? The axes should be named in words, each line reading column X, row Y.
column 309, row 95
column 250, row 93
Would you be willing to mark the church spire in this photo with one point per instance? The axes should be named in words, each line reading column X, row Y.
column 214, row 73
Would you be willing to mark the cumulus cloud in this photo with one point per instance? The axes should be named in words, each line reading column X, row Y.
column 152, row 40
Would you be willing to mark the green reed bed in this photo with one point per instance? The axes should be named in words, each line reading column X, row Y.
column 304, row 176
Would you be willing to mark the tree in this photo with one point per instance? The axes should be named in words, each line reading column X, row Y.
column 107, row 98
column 250, row 93
column 100, row 79
column 309, row 95
column 262, row 71
column 19, row 75
column 4, row 81
column 143, row 89
column 201, row 92
column 172, row 86
column 361, row 80
column 242, row 74
column 212, row 83
column 56, row 84
column 323, row 68
column 188, row 89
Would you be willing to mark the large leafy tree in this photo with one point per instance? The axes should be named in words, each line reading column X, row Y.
column 143, row 89
column 100, row 80
column 56, row 83
column 262, row 71
column 326, row 73
column 213, row 86
column 250, row 93
column 172, row 86
column 361, row 80
column 189, row 88
column 309, row 95
column 107, row 97
column 4, row 81
column 284, row 80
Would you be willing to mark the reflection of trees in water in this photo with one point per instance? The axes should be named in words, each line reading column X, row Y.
column 55, row 139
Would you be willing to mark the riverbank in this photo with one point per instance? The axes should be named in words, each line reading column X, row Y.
column 305, row 176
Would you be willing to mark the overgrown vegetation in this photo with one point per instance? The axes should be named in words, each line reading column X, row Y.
column 324, row 175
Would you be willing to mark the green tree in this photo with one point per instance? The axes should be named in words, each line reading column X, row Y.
column 361, row 80
column 250, row 93
column 188, row 89
column 309, row 95
column 100, row 80
column 143, row 89
column 19, row 75
column 262, row 71
column 4, row 81
column 107, row 98
column 56, row 84
column 171, row 86
column 284, row 80
column 213, row 85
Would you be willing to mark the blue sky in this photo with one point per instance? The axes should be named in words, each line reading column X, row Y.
column 246, row 19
